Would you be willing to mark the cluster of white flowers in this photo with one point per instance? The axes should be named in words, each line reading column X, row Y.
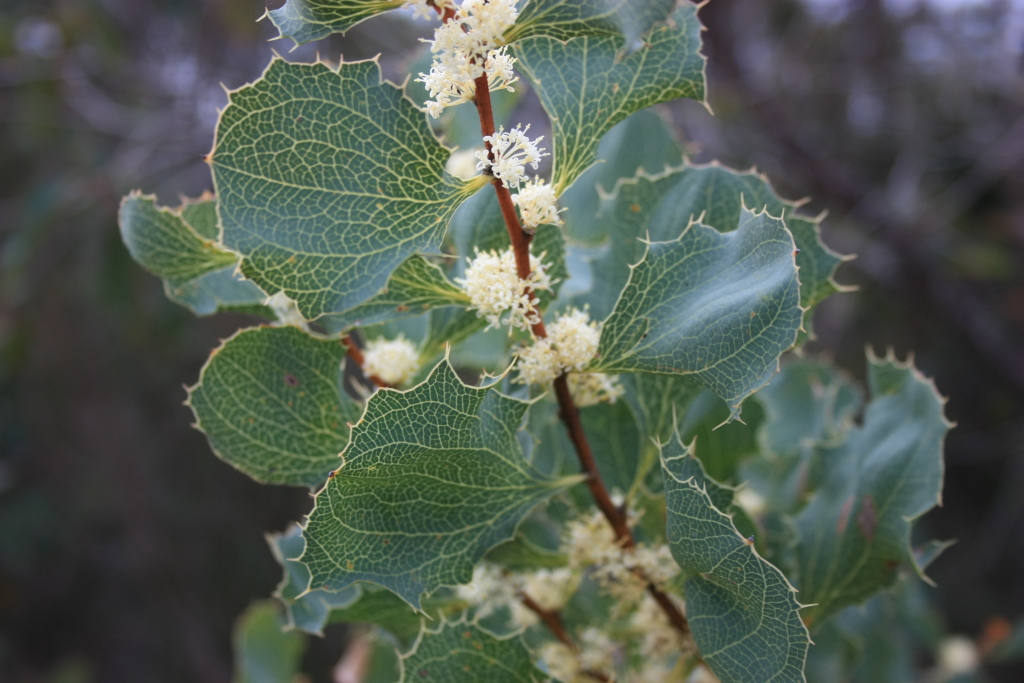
column 493, row 589
column 425, row 9
column 510, row 152
column 622, row 572
column 571, row 343
column 393, row 360
column 561, row 662
column 596, row 650
column 659, row 640
column 286, row 310
column 591, row 388
column 958, row 655
column 466, row 47
column 495, row 289
column 489, row 591
column 536, row 202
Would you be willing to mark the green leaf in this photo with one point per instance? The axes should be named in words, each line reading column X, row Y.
column 720, row 308
column 270, row 400
column 306, row 20
column 385, row 609
column 742, row 610
column 462, row 652
column 809, row 403
column 264, row 652
column 416, row 286
column 327, row 181
column 433, row 477
column 642, row 143
column 655, row 206
column 306, row 610
column 197, row 272
column 855, row 532
column 586, row 87
column 565, row 19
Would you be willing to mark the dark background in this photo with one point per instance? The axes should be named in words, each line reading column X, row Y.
column 127, row 549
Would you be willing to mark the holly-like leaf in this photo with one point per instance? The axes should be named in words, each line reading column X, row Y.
column 327, row 181
column 808, row 404
column 855, row 533
column 433, row 478
column 306, row 610
column 720, row 308
column 587, row 87
column 416, row 286
column 742, row 610
column 655, row 206
column 264, row 651
column 641, row 144
column 565, row 19
column 463, row 652
column 270, row 400
column 180, row 247
column 306, row 20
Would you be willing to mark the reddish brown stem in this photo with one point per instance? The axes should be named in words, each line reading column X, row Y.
column 553, row 621
column 356, row 354
column 571, row 417
column 569, row 412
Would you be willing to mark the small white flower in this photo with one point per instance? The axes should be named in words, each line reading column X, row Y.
column 286, row 310
column 393, row 360
column 422, row 10
column 536, row 202
column 591, row 388
column 462, row 164
column 596, row 650
column 489, row 590
column 495, row 289
column 538, row 363
column 575, row 338
column 752, row 502
column 958, row 655
column 560, row 660
column 571, row 343
column 659, row 640
column 511, row 150
column 467, row 47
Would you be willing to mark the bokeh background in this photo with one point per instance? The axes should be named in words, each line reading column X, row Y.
column 127, row 549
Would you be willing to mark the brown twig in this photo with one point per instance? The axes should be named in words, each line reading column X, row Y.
column 553, row 620
column 356, row 354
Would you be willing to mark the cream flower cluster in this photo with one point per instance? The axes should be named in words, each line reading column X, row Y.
column 536, row 202
column 591, row 388
column 491, row 590
column 424, row 9
column 495, row 289
column 393, row 360
column 510, row 152
column 571, row 343
column 623, row 573
column 467, row 47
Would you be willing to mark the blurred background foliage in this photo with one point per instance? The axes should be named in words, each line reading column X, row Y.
column 127, row 550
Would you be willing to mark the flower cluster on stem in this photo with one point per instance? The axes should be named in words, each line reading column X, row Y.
column 466, row 47
column 393, row 360
column 497, row 292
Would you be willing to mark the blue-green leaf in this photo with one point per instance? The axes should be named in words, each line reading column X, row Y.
column 264, row 651
column 306, row 20
column 433, row 477
column 327, row 181
column 741, row 609
column 587, row 86
column 463, row 652
column 181, row 247
column 270, row 400
column 720, row 308
column 565, row 19
column 855, row 532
